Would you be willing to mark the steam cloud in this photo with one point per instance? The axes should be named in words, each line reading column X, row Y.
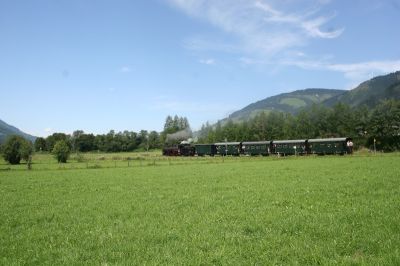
column 180, row 135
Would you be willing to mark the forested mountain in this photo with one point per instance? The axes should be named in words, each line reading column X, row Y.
column 370, row 114
column 6, row 130
column 370, row 92
column 290, row 102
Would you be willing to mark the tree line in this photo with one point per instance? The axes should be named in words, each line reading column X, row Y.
column 380, row 125
column 125, row 141
column 61, row 145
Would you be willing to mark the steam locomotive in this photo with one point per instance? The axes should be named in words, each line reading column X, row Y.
column 264, row 148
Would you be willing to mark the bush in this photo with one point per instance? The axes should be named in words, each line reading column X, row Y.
column 16, row 148
column 61, row 151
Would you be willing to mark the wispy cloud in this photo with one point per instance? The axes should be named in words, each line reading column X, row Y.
column 125, row 69
column 272, row 33
column 208, row 61
column 355, row 72
column 307, row 24
column 257, row 26
column 359, row 72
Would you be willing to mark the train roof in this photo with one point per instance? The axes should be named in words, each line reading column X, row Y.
column 256, row 142
column 289, row 141
column 204, row 144
column 327, row 140
column 226, row 143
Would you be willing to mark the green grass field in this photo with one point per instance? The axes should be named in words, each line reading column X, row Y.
column 242, row 211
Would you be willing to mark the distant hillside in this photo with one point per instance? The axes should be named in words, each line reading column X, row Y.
column 6, row 130
column 290, row 102
column 370, row 92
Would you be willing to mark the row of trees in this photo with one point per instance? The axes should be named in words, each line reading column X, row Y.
column 364, row 125
column 16, row 148
column 80, row 141
column 125, row 141
column 61, row 145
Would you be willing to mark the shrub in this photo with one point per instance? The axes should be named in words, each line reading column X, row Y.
column 61, row 151
column 16, row 148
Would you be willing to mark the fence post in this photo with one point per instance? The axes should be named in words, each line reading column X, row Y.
column 29, row 164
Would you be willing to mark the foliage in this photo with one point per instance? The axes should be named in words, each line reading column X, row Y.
column 16, row 148
column 40, row 144
column 55, row 137
column 125, row 141
column 82, row 142
column 61, row 151
column 384, row 126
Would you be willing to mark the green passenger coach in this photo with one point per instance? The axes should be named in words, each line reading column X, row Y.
column 253, row 148
column 290, row 147
column 228, row 148
column 205, row 149
column 328, row 146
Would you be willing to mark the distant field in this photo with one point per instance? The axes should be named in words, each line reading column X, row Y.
column 297, row 210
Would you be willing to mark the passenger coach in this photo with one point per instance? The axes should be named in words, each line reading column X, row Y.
column 253, row 148
column 290, row 147
column 229, row 148
column 328, row 146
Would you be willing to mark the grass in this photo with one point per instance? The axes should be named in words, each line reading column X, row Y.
column 293, row 102
column 298, row 210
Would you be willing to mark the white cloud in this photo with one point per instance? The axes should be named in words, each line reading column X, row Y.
column 257, row 26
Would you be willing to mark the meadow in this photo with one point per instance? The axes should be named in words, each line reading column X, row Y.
column 146, row 210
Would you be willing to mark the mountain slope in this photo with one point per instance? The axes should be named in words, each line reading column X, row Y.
column 6, row 130
column 370, row 92
column 290, row 102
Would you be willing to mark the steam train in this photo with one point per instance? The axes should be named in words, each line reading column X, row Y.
column 263, row 148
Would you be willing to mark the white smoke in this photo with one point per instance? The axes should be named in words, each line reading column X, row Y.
column 179, row 136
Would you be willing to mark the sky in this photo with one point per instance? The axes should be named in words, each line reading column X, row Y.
column 101, row 65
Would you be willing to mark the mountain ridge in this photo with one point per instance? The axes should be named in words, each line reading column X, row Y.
column 7, row 130
column 369, row 93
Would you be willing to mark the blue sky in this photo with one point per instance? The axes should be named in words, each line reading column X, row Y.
column 126, row 65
